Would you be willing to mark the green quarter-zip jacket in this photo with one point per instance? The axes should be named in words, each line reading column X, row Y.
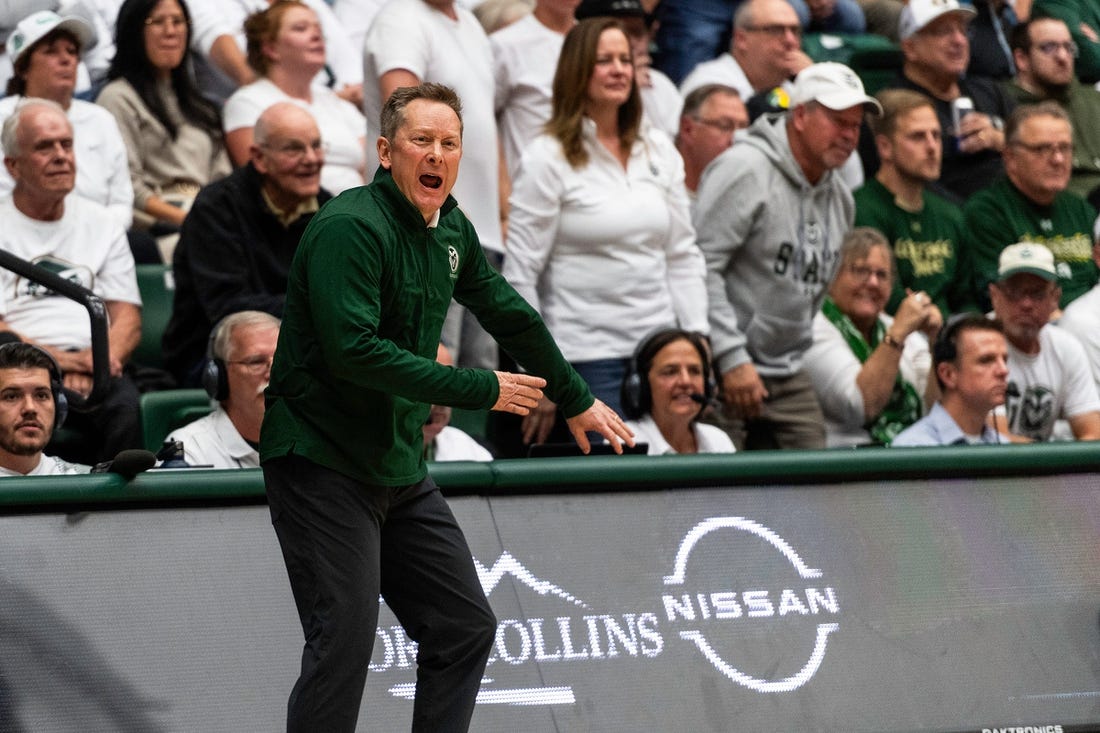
column 355, row 372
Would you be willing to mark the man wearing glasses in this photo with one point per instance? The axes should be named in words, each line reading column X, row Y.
column 1048, row 371
column 235, row 375
column 1044, row 52
column 710, row 117
column 765, row 51
column 236, row 244
column 1032, row 204
column 936, row 51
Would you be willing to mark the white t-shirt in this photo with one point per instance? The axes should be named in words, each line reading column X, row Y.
column 340, row 123
column 355, row 17
column 832, row 366
column 86, row 245
column 1082, row 319
column 211, row 19
column 722, row 70
column 605, row 255
column 412, row 35
column 708, row 438
column 662, row 103
column 451, row 444
column 102, row 165
column 1054, row 384
column 48, row 466
column 525, row 56
column 213, row 441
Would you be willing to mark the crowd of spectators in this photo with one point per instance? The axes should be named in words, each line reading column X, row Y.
column 766, row 253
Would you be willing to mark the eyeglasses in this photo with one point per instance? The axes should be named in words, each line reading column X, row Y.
column 722, row 124
column 1046, row 150
column 1049, row 48
column 254, row 365
column 776, row 30
column 296, row 149
column 1034, row 293
column 163, row 22
column 863, row 274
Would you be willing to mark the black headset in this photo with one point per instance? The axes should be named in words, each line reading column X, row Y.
column 635, row 394
column 215, row 374
column 57, row 388
column 944, row 348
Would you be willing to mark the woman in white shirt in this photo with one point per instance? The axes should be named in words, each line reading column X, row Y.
column 600, row 240
column 668, row 384
column 287, row 50
column 870, row 371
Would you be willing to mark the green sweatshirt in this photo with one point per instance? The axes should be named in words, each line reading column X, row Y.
column 1082, row 104
column 355, row 372
column 1000, row 215
column 928, row 246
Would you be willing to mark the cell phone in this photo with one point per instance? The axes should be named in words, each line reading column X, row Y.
column 960, row 108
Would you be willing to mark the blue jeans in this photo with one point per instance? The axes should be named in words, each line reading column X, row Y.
column 692, row 31
column 605, row 379
column 846, row 18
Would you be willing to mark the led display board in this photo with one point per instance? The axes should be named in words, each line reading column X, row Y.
column 938, row 605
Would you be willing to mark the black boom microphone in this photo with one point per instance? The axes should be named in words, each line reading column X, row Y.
column 127, row 463
column 702, row 399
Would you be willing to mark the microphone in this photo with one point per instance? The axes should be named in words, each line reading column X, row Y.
column 127, row 463
column 702, row 399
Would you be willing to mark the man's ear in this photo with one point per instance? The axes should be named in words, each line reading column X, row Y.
column 947, row 374
column 259, row 161
column 384, row 152
column 9, row 165
column 885, row 147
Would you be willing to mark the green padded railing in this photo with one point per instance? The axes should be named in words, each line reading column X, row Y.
column 596, row 473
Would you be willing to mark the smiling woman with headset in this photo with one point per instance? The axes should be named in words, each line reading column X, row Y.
column 669, row 382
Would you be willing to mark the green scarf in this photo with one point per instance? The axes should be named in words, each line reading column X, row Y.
column 904, row 407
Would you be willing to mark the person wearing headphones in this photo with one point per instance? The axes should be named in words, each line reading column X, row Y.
column 236, row 373
column 32, row 407
column 970, row 360
column 668, row 384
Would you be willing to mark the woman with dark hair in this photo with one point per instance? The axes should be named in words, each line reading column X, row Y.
column 600, row 240
column 287, row 49
column 668, row 384
column 172, row 134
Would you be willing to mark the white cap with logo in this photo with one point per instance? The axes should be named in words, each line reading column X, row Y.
column 919, row 13
column 831, row 85
column 37, row 26
column 1027, row 257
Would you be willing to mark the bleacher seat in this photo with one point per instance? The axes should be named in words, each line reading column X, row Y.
column 164, row 411
column 876, row 59
column 157, row 287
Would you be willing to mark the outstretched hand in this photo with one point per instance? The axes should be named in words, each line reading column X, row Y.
column 601, row 419
column 519, row 393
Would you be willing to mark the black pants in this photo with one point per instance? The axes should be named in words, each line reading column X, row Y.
column 344, row 542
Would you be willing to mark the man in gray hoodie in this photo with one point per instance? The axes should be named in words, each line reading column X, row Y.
column 770, row 216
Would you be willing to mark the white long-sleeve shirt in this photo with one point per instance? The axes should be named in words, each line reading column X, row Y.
column 605, row 255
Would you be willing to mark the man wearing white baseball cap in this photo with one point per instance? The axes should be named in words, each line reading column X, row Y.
column 936, row 52
column 45, row 49
column 770, row 216
column 1048, row 371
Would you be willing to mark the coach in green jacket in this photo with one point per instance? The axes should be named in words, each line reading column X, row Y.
column 353, row 381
